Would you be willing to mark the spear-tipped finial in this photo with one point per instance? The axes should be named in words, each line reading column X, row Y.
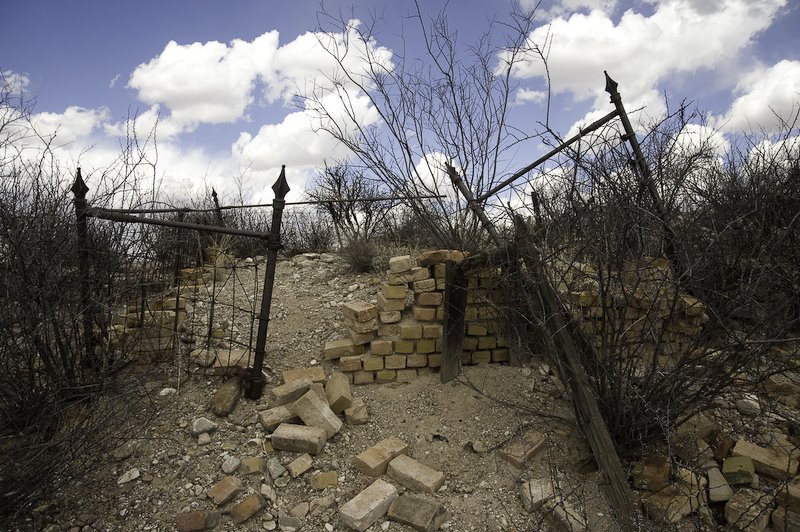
column 611, row 85
column 281, row 186
column 213, row 193
column 79, row 188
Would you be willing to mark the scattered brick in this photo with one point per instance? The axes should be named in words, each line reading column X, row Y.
column 316, row 412
column 196, row 521
column 375, row 460
column 314, row 373
column 273, row 417
column 738, row 470
column 286, row 393
column 299, row 438
column 337, row 391
column 363, row 510
column 418, row 512
column 771, row 463
column 414, row 475
column 357, row 413
column 300, row 465
column 252, row 465
column 324, row 480
column 248, row 508
column 520, row 450
column 224, row 490
column 536, row 492
column 747, row 510
column 651, row 473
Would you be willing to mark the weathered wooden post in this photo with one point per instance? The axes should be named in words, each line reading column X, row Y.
column 254, row 385
column 455, row 304
column 79, row 190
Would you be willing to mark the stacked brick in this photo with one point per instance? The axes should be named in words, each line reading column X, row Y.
column 484, row 340
column 640, row 308
column 151, row 328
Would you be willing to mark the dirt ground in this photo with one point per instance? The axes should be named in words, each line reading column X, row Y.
column 456, row 428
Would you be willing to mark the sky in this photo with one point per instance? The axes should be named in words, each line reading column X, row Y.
column 221, row 77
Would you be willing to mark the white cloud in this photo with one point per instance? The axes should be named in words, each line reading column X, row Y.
column 550, row 10
column 641, row 52
column 530, row 95
column 113, row 82
column 766, row 96
column 205, row 82
column 73, row 124
column 15, row 82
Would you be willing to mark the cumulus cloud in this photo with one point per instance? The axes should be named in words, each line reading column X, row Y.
column 73, row 124
column 15, row 82
column 641, row 52
column 767, row 96
column 550, row 10
column 529, row 95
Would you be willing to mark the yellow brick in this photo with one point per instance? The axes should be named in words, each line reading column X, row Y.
column 481, row 356
column 393, row 291
column 423, row 313
column 476, row 329
column 363, row 377
column 416, row 361
column 426, row 346
column 386, row 375
column 431, row 330
column 388, row 305
column 395, row 362
column 410, row 331
column 390, row 316
column 434, row 360
column 469, row 343
column 403, row 346
column 372, row 363
column 439, row 271
column 500, row 355
column 351, row 363
column 429, row 299
column 381, row 347
column 487, row 342
column 466, row 357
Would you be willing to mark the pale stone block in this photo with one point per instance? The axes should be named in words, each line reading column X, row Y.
column 363, row 510
column 375, row 460
column 286, row 393
column 400, row 264
column 299, row 438
column 414, row 475
column 337, row 391
column 417, row 512
column 270, row 419
column 315, row 373
column 316, row 413
column 359, row 311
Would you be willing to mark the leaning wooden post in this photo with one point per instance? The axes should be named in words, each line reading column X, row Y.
column 79, row 190
column 455, row 304
column 254, row 386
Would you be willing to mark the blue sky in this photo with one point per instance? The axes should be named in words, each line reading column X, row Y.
column 221, row 75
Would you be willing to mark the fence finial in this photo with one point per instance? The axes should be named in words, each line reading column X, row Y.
column 281, row 186
column 79, row 187
column 611, row 86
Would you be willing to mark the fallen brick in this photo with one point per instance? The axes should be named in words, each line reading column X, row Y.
column 738, row 470
column 196, row 521
column 418, row 512
column 248, row 508
column 564, row 517
column 356, row 414
column 316, row 413
column 337, row 391
column 520, row 450
column 375, row 460
column 315, row 373
column 273, row 417
column 299, row 465
column 363, row 510
column 299, row 438
column 748, row 510
column 224, row 490
column 226, row 397
column 535, row 493
column 359, row 311
column 771, row 463
column 286, row 393
column 324, row 480
column 338, row 348
column 651, row 473
column 785, row 519
column 414, row 475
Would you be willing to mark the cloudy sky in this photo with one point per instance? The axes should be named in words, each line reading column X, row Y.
column 222, row 77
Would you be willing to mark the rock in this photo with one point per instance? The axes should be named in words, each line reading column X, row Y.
column 748, row 406
column 414, row 475
column 718, row 488
column 651, row 473
column 131, row 474
column 269, row 493
column 519, row 451
column 747, row 510
column 360, row 512
column 324, row 480
column 290, row 523
column 204, row 439
column 417, row 512
column 300, row 510
column 320, row 504
column 275, row 468
column 167, row 391
column 196, row 521
column 125, row 451
column 224, row 401
column 224, row 490
column 203, row 425
column 300, row 465
column 248, row 508
column 230, row 464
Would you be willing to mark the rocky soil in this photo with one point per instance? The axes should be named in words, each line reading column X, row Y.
column 457, row 428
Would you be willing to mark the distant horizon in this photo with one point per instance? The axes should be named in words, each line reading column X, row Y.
column 221, row 80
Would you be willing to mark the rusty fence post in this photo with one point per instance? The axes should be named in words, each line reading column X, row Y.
column 217, row 209
column 254, row 385
column 79, row 190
